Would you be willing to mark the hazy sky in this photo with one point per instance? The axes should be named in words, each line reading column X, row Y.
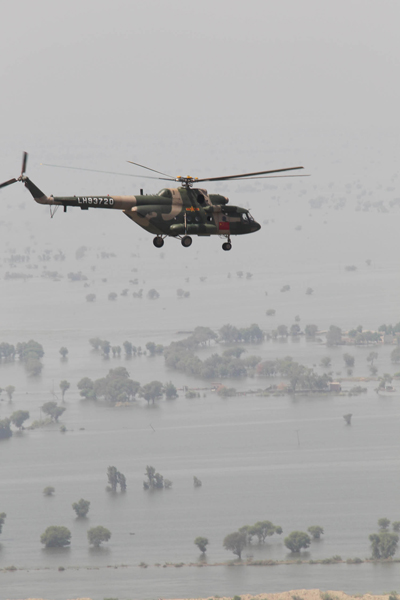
column 210, row 85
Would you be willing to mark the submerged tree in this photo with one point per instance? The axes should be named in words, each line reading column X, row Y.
column 64, row 386
column 316, row 531
column 97, row 535
column 18, row 417
column 53, row 410
column 5, row 429
column 155, row 481
column 49, row 490
column 152, row 391
column 383, row 544
column 63, row 351
column 2, row 519
column 10, row 389
column 81, row 508
column 201, row 543
column 236, row 542
column 297, row 540
column 56, row 537
column 116, row 478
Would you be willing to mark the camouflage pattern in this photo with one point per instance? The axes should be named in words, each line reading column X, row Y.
column 172, row 212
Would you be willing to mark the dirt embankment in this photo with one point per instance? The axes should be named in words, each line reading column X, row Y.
column 292, row 595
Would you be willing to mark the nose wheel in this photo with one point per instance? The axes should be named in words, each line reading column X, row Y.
column 186, row 241
column 158, row 242
column 227, row 245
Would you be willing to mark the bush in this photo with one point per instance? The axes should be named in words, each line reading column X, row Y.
column 56, row 537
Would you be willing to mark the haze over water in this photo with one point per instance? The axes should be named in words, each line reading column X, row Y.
column 205, row 90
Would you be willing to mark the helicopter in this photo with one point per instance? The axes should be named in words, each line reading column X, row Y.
column 177, row 212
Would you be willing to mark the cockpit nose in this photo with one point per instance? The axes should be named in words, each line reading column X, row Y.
column 255, row 226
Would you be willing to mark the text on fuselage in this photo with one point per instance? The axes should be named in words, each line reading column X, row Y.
column 96, row 201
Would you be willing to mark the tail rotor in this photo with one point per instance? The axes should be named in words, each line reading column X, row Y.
column 21, row 177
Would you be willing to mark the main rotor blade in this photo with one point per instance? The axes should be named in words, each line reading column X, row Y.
column 244, row 175
column 9, row 182
column 268, row 177
column 148, row 168
column 107, row 172
column 24, row 161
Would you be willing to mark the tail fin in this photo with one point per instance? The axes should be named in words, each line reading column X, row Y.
column 36, row 193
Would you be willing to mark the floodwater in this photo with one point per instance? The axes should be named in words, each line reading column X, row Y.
column 289, row 460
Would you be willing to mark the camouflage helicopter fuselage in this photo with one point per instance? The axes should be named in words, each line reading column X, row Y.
column 176, row 212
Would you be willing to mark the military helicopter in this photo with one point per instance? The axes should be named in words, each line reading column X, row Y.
column 173, row 212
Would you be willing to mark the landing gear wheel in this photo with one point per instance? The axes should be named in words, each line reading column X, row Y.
column 186, row 241
column 226, row 246
column 158, row 242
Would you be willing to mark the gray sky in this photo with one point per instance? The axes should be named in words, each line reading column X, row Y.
column 181, row 64
column 202, row 88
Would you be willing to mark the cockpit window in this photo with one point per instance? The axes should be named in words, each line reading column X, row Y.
column 250, row 217
column 245, row 217
column 165, row 193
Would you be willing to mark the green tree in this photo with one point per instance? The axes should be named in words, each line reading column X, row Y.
column 348, row 360
column 81, row 508
column 282, row 330
column 5, row 429
column 228, row 334
column 116, row 478
column 63, row 351
column 371, row 357
column 10, row 389
column 50, row 408
column 396, row 526
column 49, row 490
column 152, row 391
column 116, row 386
column 151, row 347
column 316, row 531
column 383, row 544
column 263, row 529
column 56, row 537
column 97, row 535
column 295, row 329
column 112, row 475
column 383, row 524
column 2, row 519
column 326, row 362
column 153, row 294
column 334, row 336
column 30, row 353
column 311, row 330
column 170, row 391
column 235, row 542
column 155, row 480
column 201, row 543
column 395, row 355
column 297, row 540
column 18, row 417
column 95, row 343
column 128, row 347
column 86, row 387
column 64, row 386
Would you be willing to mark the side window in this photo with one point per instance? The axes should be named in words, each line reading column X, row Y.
column 244, row 217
